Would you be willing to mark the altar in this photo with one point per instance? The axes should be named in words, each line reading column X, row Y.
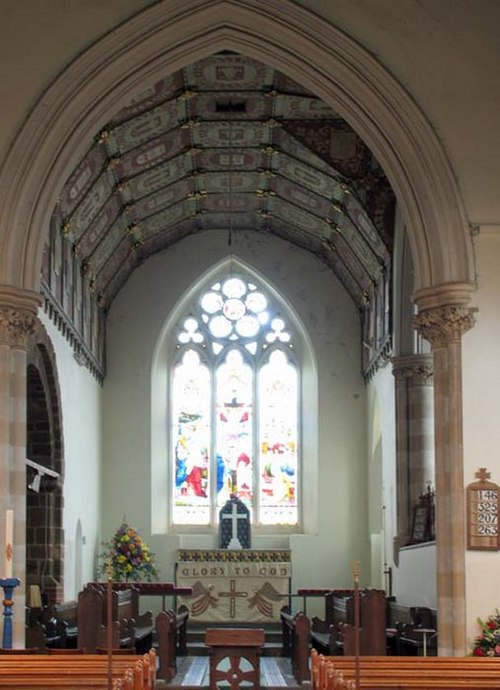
column 236, row 586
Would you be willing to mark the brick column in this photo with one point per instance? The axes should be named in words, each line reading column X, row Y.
column 414, row 393
column 17, row 322
column 443, row 327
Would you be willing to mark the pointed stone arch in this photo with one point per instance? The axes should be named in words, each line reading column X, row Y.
column 170, row 35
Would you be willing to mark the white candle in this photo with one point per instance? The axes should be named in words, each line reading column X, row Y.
column 9, row 538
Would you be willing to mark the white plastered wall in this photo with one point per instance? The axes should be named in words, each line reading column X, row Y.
column 81, row 430
column 334, row 489
column 380, row 471
column 414, row 567
column 481, row 394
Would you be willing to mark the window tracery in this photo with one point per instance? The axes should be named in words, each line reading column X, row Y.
column 234, row 408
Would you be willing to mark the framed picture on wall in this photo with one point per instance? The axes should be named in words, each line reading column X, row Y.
column 422, row 526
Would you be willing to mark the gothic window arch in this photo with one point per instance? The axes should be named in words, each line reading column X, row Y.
column 234, row 423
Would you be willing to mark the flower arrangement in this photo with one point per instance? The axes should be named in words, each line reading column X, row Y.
column 128, row 556
column 488, row 642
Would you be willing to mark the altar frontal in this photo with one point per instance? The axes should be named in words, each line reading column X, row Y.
column 247, row 586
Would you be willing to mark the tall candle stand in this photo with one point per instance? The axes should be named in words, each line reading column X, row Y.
column 355, row 576
column 8, row 585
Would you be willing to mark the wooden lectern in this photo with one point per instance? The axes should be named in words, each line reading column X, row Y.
column 235, row 656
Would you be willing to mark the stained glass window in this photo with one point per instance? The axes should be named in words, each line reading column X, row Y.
column 191, row 435
column 234, row 408
column 278, row 439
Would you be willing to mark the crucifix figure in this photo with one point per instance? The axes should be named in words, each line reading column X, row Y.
column 234, row 525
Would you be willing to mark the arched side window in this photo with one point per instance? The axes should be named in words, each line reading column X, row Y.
column 234, row 408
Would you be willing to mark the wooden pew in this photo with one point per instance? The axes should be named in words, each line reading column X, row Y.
column 91, row 618
column 44, row 628
column 335, row 635
column 324, row 676
column 406, row 673
column 405, row 626
column 77, row 671
column 336, row 605
column 295, row 634
column 135, row 630
column 326, row 633
column 125, row 610
column 171, row 629
column 67, row 613
column 66, row 663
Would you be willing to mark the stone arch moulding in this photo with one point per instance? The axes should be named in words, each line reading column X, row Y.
column 173, row 33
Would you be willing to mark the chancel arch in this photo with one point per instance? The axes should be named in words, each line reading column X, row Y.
column 333, row 66
column 346, row 77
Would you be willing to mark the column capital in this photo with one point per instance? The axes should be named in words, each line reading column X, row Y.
column 444, row 295
column 418, row 367
column 18, row 315
column 444, row 325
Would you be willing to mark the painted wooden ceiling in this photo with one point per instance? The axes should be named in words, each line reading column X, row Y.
column 227, row 143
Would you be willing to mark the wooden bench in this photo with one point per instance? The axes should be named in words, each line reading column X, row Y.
column 336, row 634
column 44, row 628
column 67, row 613
column 325, row 632
column 295, row 635
column 125, row 607
column 411, row 630
column 423, row 673
column 77, row 671
column 171, row 633
column 130, row 629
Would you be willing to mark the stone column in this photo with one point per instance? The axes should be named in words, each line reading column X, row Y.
column 443, row 327
column 17, row 322
column 414, row 435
